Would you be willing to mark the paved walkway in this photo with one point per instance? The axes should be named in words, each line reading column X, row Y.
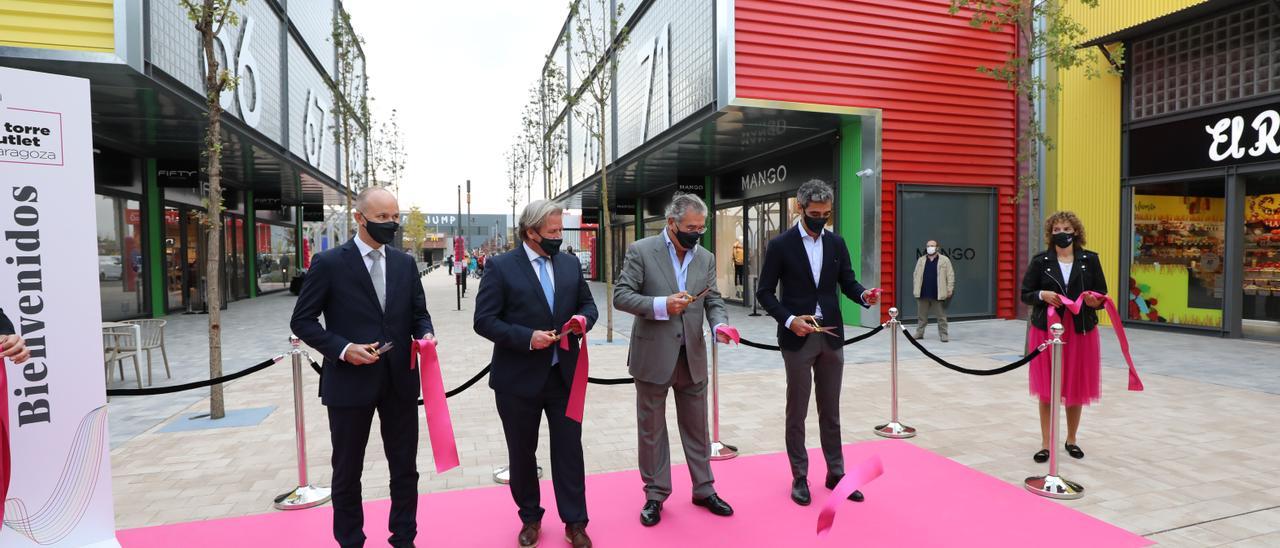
column 1191, row 461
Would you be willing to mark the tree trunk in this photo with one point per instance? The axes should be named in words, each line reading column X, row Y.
column 213, row 221
column 608, row 230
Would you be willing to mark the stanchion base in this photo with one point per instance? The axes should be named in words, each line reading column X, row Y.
column 305, row 496
column 722, row 451
column 895, row 430
column 1054, row 487
column 502, row 474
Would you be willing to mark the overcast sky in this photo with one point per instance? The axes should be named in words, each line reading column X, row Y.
column 458, row 73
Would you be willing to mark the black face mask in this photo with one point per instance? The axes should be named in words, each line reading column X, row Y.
column 382, row 233
column 550, row 246
column 1063, row 239
column 814, row 225
column 688, row 239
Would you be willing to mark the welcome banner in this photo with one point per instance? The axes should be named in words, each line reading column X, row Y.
column 60, row 487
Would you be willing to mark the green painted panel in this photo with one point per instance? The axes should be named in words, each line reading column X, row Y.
column 154, row 220
column 849, row 209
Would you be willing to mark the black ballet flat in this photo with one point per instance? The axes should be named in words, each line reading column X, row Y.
column 1042, row 456
column 1074, row 451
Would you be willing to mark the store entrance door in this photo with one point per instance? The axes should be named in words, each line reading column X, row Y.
column 1261, row 302
column 764, row 221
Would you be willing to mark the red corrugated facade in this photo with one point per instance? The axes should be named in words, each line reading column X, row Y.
column 944, row 123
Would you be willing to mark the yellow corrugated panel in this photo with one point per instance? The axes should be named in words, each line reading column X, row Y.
column 1084, row 169
column 85, row 25
column 1115, row 15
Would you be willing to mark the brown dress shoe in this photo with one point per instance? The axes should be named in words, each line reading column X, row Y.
column 529, row 534
column 576, row 535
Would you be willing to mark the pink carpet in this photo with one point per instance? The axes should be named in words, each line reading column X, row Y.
column 921, row 500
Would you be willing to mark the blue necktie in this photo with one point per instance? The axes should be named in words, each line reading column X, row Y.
column 544, row 276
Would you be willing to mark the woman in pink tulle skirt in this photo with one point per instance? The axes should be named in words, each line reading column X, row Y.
column 1066, row 269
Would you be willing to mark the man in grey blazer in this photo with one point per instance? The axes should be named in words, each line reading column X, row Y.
column 669, row 283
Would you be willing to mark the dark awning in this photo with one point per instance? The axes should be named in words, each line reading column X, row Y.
column 708, row 143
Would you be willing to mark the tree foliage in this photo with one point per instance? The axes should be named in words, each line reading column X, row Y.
column 1046, row 32
column 596, row 39
column 209, row 18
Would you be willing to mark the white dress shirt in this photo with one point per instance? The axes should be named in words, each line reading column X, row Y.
column 812, row 248
column 533, row 259
column 682, row 278
column 368, row 265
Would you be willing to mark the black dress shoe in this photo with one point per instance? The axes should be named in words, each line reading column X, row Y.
column 1041, row 456
column 716, row 504
column 832, row 481
column 800, row 491
column 1074, row 451
column 651, row 514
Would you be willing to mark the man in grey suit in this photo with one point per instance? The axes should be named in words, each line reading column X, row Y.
column 669, row 283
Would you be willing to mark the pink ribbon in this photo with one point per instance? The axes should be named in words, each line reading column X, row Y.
column 577, row 392
column 1135, row 383
column 729, row 331
column 4, row 435
column 861, row 475
column 444, row 448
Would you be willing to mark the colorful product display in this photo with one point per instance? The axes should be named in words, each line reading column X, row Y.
column 1178, row 250
column 1262, row 246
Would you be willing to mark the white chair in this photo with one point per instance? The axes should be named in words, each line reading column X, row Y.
column 153, row 338
column 118, row 345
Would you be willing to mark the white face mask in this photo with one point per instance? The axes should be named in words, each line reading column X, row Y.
column 932, row 249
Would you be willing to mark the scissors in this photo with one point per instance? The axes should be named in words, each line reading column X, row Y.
column 701, row 294
column 829, row 330
column 382, row 349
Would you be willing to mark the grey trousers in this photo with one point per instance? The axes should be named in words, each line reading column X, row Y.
column 651, row 426
column 816, row 363
column 923, row 308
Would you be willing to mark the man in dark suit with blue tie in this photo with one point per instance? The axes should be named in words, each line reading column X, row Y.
column 373, row 306
column 525, row 297
column 813, row 266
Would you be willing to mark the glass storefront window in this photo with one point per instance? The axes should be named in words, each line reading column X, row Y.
column 234, row 258
column 1176, row 271
column 277, row 256
column 730, row 253
column 963, row 222
column 1262, row 248
column 173, row 263
column 120, row 280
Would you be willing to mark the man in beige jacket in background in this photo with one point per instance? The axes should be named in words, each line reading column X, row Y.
column 934, row 283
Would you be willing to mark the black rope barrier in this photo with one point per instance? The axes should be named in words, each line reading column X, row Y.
column 483, row 372
column 194, row 385
column 748, row 342
column 979, row 372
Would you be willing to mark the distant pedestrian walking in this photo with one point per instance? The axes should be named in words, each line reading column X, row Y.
column 935, row 283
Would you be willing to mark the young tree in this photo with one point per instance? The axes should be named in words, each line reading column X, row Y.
column 515, row 176
column 209, row 17
column 351, row 109
column 551, row 92
column 528, row 147
column 387, row 163
column 415, row 232
column 1048, row 39
column 596, row 38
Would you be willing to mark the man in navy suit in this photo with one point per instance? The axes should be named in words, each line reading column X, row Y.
column 525, row 297
column 371, row 297
column 813, row 266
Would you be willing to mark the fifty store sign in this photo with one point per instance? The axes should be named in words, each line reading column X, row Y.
column 1241, row 137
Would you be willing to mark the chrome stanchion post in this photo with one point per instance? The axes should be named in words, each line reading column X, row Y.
column 1053, row 485
column 719, row 450
column 304, row 495
column 894, row 429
